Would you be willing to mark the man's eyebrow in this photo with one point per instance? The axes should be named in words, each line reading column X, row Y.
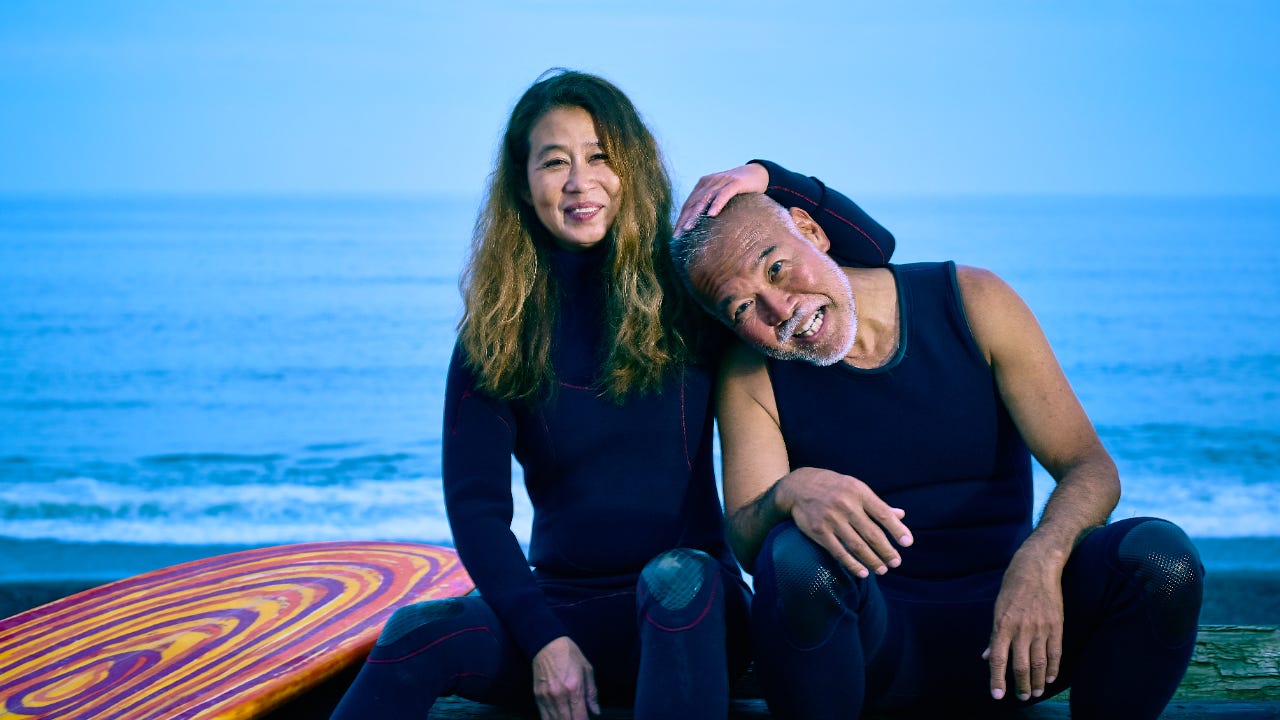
column 723, row 305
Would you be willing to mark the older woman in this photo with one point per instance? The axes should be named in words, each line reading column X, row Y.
column 578, row 355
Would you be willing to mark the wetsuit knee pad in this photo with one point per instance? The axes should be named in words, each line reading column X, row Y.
column 418, row 615
column 811, row 586
column 674, row 578
column 1161, row 557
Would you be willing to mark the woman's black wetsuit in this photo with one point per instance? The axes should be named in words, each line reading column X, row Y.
column 628, row 551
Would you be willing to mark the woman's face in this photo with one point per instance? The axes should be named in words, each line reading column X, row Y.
column 572, row 185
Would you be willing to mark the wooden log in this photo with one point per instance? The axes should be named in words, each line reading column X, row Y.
column 1237, row 662
column 457, row 709
column 1234, row 673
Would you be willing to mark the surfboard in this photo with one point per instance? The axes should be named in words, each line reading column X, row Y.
column 230, row 637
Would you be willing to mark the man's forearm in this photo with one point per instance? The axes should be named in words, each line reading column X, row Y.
column 750, row 524
column 1082, row 500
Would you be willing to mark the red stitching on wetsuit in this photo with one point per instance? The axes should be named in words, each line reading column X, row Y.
column 793, row 192
column 427, row 647
column 684, row 428
column 855, row 227
column 846, row 221
column 457, row 410
column 715, row 589
column 575, row 387
column 453, row 428
column 576, row 603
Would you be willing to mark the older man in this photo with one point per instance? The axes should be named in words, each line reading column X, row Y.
column 880, row 490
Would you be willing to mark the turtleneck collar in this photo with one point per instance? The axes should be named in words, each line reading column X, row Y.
column 575, row 269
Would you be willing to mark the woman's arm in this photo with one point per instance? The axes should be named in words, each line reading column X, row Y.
column 856, row 238
column 479, row 435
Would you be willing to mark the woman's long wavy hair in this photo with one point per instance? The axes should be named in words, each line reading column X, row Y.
column 508, row 292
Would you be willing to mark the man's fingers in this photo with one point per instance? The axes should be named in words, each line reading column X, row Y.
column 890, row 518
column 1039, row 663
column 997, row 660
column 874, row 548
column 548, row 709
column 1053, row 653
column 857, row 546
column 836, row 547
column 593, row 699
column 1021, row 668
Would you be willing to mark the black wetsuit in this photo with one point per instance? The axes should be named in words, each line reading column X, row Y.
column 929, row 433
column 628, row 548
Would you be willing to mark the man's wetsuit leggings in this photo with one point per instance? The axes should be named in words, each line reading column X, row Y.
column 670, row 643
column 829, row 644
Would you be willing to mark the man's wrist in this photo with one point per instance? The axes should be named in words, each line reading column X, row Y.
column 1047, row 548
column 778, row 501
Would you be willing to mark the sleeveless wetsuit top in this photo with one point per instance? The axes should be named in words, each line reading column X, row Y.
column 927, row 431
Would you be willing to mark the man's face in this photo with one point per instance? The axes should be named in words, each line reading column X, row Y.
column 771, row 281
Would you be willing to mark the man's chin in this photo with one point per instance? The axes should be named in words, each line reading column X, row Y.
column 810, row 354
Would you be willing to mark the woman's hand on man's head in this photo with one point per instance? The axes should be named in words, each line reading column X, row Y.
column 713, row 191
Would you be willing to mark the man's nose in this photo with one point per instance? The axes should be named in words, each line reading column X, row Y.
column 775, row 306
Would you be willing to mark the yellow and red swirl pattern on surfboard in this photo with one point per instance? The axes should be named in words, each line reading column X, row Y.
column 232, row 636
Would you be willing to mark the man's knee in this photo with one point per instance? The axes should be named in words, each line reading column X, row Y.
column 674, row 578
column 1160, row 556
column 409, row 618
column 810, row 586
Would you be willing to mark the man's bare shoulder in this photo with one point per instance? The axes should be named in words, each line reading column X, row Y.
column 997, row 315
column 978, row 281
column 984, row 291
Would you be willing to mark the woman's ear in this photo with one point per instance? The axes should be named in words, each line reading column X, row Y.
column 810, row 229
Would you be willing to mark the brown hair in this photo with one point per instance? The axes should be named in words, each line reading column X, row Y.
column 508, row 293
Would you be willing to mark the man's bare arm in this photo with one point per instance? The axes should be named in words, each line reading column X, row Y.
column 1027, row 628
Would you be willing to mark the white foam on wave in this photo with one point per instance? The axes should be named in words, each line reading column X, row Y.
column 1204, row 507
column 84, row 509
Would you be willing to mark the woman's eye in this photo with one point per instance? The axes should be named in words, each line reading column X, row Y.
column 553, row 162
column 603, row 157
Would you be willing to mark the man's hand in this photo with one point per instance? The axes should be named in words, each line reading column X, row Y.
column 1027, row 633
column 713, row 191
column 844, row 516
column 563, row 682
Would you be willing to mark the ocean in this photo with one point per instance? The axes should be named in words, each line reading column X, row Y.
column 179, row 375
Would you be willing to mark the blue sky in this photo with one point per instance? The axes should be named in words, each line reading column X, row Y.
column 260, row 96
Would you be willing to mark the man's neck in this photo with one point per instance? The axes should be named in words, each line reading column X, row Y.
column 875, row 299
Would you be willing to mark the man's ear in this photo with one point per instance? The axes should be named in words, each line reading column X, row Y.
column 810, row 229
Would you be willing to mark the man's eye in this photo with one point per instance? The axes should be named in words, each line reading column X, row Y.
column 740, row 310
column 774, row 269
